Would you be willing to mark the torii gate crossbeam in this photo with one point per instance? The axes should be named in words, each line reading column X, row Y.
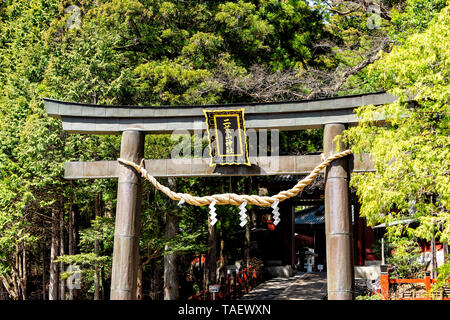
column 332, row 114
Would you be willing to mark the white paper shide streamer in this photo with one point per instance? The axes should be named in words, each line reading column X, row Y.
column 276, row 214
column 243, row 214
column 212, row 213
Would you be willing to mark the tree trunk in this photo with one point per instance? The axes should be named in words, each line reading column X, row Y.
column 222, row 257
column 445, row 249
column 211, row 258
column 53, row 284
column 433, row 257
column 44, row 278
column 73, row 226
column 8, row 283
column 139, row 288
column 73, row 240
column 171, row 283
column 247, row 238
column 155, row 281
column 70, row 240
column 96, row 250
column 221, row 240
column 102, row 270
column 247, row 245
column 17, row 273
column 62, row 284
column 24, row 272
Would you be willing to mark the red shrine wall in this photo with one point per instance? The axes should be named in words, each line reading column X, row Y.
column 369, row 242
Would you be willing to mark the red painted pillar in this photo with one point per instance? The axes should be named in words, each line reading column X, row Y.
column 428, row 284
column 384, row 279
column 359, row 230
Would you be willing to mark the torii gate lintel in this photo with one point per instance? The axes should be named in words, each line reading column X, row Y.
column 134, row 122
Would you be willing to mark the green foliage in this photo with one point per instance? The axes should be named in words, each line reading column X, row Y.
column 376, row 296
column 442, row 279
column 102, row 229
column 411, row 149
column 415, row 17
column 169, row 82
column 86, row 261
column 135, row 52
column 301, row 142
column 404, row 259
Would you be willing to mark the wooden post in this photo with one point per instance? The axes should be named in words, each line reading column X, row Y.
column 287, row 225
column 338, row 223
column 128, row 212
column 384, row 282
column 171, row 283
column 427, row 283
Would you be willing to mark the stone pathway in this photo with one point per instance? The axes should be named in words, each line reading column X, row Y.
column 302, row 286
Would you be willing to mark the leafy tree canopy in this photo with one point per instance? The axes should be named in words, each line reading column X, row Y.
column 411, row 151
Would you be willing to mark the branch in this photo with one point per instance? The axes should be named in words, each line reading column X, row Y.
column 6, row 280
column 340, row 79
column 150, row 255
column 384, row 12
column 346, row 12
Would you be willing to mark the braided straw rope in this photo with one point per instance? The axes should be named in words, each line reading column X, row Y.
column 232, row 198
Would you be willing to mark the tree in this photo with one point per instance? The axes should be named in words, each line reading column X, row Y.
column 411, row 150
column 155, row 52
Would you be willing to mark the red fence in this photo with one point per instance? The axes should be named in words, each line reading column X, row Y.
column 427, row 281
column 234, row 286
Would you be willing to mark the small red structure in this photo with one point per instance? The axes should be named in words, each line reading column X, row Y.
column 386, row 281
column 234, row 286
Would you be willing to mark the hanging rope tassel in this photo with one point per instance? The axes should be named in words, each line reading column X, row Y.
column 276, row 214
column 243, row 214
column 212, row 213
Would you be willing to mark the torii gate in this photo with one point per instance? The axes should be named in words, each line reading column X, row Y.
column 332, row 114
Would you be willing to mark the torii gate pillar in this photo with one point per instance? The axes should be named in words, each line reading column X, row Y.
column 338, row 222
column 128, row 217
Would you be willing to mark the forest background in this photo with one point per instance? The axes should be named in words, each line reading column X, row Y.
column 152, row 52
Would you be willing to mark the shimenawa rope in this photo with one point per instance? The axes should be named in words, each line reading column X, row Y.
column 232, row 198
